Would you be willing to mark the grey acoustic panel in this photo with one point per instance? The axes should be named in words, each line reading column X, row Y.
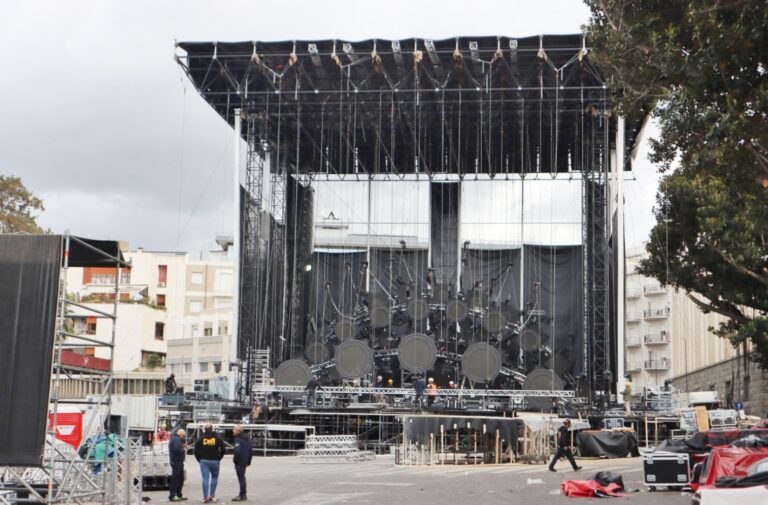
column 481, row 362
column 354, row 359
column 456, row 310
column 417, row 352
column 293, row 372
column 494, row 321
column 345, row 329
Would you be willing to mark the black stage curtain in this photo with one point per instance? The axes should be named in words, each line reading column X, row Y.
column 559, row 293
column 29, row 286
column 417, row 429
column 444, row 205
column 400, row 272
column 609, row 444
column 342, row 272
column 499, row 272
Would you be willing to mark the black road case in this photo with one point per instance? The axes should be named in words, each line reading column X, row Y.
column 668, row 469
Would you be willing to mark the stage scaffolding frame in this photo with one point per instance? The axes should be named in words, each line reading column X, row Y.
column 68, row 476
column 530, row 107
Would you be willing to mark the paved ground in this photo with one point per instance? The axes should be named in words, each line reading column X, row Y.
column 287, row 481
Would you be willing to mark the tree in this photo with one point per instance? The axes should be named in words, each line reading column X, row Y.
column 702, row 66
column 18, row 207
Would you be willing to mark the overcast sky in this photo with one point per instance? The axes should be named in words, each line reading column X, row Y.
column 99, row 121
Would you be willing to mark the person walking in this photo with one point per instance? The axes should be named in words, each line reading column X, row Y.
column 209, row 449
column 242, row 454
column 177, row 451
column 564, row 447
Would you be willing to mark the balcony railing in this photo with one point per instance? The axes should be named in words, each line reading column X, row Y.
column 633, row 293
column 654, row 289
column 656, row 338
column 634, row 317
column 656, row 364
column 634, row 366
column 633, row 341
column 656, row 313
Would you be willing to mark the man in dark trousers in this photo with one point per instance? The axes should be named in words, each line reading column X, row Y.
column 419, row 386
column 209, row 449
column 177, row 451
column 312, row 386
column 564, row 447
column 170, row 385
column 242, row 454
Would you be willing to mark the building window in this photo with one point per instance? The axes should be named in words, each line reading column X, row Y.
column 161, row 300
column 187, row 367
column 208, row 332
column 90, row 326
column 152, row 359
column 203, row 367
column 195, row 306
column 162, row 275
column 89, row 351
column 222, row 328
column 223, row 303
column 217, row 366
column 197, row 278
column 224, row 284
column 159, row 331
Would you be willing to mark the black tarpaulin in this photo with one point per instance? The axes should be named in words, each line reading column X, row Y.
column 444, row 203
column 80, row 255
column 398, row 271
column 608, row 444
column 418, row 429
column 337, row 278
column 29, row 284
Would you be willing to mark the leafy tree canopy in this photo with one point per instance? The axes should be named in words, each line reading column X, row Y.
column 18, row 207
column 703, row 66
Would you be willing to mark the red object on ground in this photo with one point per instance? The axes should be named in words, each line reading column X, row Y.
column 82, row 361
column 729, row 462
column 589, row 489
column 69, row 425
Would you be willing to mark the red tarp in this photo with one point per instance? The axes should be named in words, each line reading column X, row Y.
column 82, row 361
column 729, row 462
column 589, row 489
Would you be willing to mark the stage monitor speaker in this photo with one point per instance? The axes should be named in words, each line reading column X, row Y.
column 317, row 352
column 354, row 359
column 345, row 329
column 417, row 353
column 293, row 372
column 481, row 362
column 29, row 286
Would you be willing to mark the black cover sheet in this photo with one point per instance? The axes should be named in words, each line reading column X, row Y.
column 29, row 284
column 417, row 429
column 609, row 444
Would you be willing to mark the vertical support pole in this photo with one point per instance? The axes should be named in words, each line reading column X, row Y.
column 235, row 253
column 620, row 265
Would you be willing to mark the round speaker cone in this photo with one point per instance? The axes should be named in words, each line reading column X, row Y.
column 494, row 321
column 293, row 372
column 481, row 362
column 380, row 316
column 316, row 352
column 345, row 329
column 456, row 310
column 354, row 359
column 418, row 309
column 541, row 379
column 529, row 339
column 559, row 363
column 417, row 352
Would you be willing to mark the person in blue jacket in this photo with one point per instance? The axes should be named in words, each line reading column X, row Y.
column 177, row 451
column 242, row 458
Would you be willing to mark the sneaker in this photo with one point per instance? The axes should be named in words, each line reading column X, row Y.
column 577, row 469
column 240, row 498
column 175, row 499
column 213, row 499
column 552, row 469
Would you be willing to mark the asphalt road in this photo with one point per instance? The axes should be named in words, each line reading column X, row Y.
column 288, row 481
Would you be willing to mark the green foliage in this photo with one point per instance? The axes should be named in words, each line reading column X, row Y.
column 154, row 360
column 703, row 68
column 18, row 207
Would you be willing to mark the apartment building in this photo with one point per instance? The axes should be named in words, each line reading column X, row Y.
column 666, row 334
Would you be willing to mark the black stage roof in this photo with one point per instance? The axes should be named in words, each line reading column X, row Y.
column 466, row 104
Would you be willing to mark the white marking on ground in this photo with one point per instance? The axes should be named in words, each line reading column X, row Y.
column 359, row 483
column 327, row 499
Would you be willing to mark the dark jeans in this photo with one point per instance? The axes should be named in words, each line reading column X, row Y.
column 240, row 471
column 177, row 480
column 563, row 451
column 310, row 398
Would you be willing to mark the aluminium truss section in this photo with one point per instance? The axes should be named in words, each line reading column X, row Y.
column 333, row 449
column 466, row 393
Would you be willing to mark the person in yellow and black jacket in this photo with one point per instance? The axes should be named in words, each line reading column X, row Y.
column 209, row 449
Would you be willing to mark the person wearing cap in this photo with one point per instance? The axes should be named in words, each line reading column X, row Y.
column 564, row 447
column 379, row 384
column 177, row 451
column 312, row 386
column 431, row 391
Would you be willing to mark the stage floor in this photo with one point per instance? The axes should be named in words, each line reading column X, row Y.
column 287, row 481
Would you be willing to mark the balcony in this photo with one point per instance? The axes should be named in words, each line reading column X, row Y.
column 632, row 341
column 655, row 289
column 634, row 366
column 633, row 317
column 659, row 338
column 656, row 364
column 656, row 313
column 633, row 293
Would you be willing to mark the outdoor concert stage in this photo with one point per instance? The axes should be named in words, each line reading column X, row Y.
column 422, row 208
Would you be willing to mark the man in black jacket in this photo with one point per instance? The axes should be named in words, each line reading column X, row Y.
column 242, row 458
column 177, row 451
column 564, row 446
column 209, row 449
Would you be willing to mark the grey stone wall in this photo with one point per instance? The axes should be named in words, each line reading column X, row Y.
column 748, row 383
